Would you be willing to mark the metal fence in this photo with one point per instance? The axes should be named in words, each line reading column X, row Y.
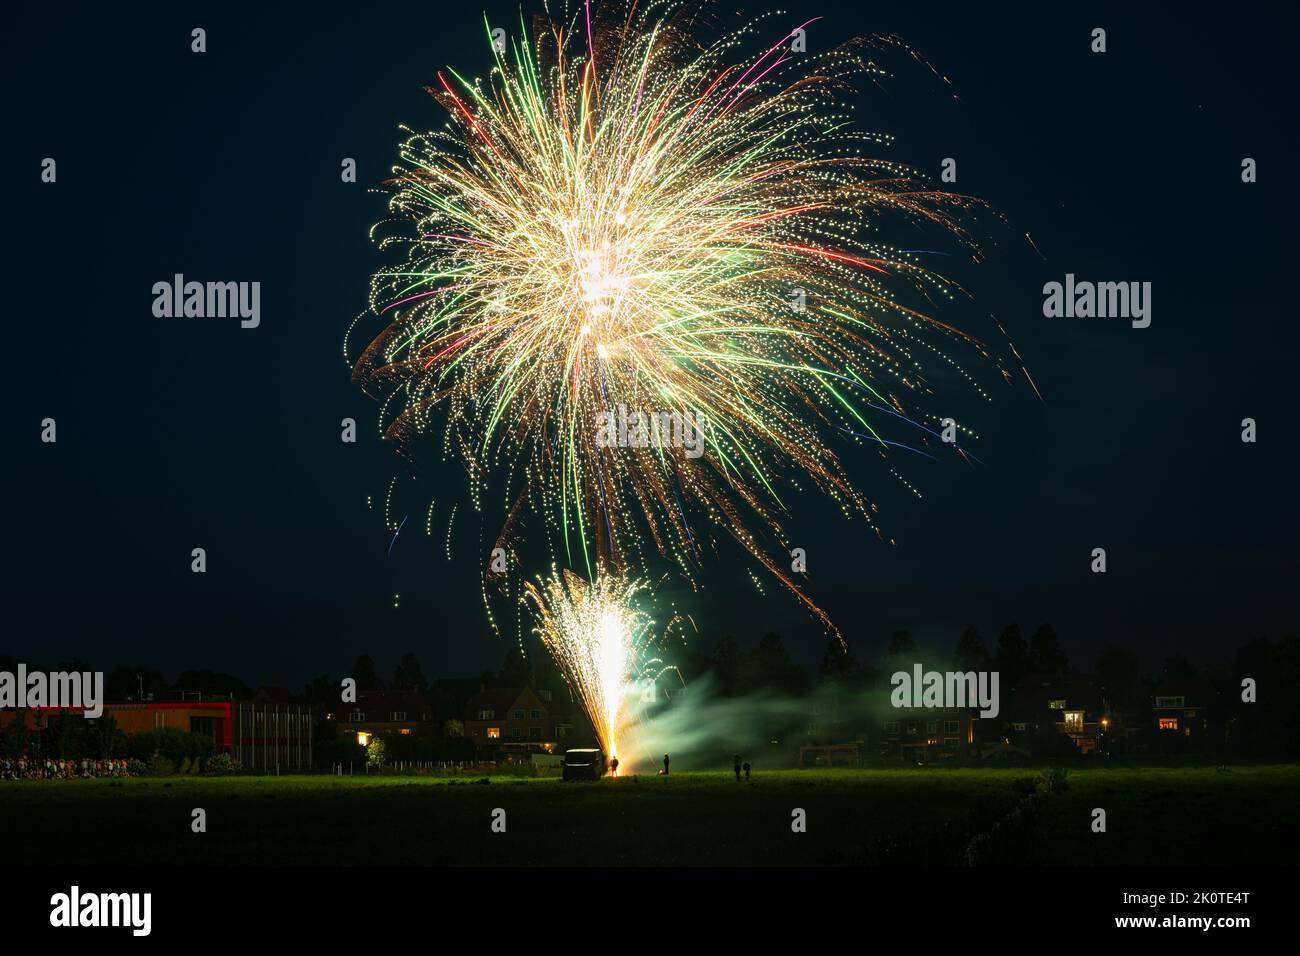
column 271, row 738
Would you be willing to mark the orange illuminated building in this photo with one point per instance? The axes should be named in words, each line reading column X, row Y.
column 211, row 717
column 260, row 735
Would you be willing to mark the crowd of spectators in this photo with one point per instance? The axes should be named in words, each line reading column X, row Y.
column 54, row 769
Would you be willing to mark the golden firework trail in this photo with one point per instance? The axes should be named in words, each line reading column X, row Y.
column 603, row 643
column 622, row 218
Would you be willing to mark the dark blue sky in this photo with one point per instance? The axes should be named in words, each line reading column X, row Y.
column 177, row 434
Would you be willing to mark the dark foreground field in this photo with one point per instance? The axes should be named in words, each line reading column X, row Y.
column 1192, row 816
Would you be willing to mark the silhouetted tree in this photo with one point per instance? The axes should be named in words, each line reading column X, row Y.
column 1012, row 658
column 105, row 738
column 901, row 646
column 769, row 666
column 838, row 662
column 366, row 676
column 1045, row 654
column 323, row 690
column 1271, row 724
column 60, row 734
column 971, row 654
column 726, row 665
column 15, row 735
column 516, row 671
column 409, row 676
column 1118, row 671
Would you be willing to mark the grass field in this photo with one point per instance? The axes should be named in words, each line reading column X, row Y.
column 1155, row 816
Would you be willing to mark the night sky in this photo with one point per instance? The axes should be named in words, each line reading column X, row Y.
column 175, row 434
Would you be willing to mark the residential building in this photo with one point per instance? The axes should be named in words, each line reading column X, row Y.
column 923, row 735
column 502, row 720
column 1178, row 709
column 394, row 713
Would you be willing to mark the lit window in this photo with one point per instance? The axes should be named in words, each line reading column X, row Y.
column 406, row 730
column 494, row 733
column 363, row 739
column 1074, row 721
column 1056, row 705
column 1168, row 723
column 399, row 715
column 1169, row 703
column 357, row 715
column 487, row 714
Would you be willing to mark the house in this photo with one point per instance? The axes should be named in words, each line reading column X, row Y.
column 841, row 714
column 502, row 720
column 399, row 713
column 1178, row 709
column 922, row 735
column 1069, row 705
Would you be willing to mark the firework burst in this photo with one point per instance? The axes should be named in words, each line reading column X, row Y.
column 621, row 217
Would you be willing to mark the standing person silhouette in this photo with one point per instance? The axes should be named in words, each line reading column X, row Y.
column 737, row 768
column 665, row 765
column 613, row 766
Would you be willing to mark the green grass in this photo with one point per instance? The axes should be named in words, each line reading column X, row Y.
column 912, row 816
column 1175, row 816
